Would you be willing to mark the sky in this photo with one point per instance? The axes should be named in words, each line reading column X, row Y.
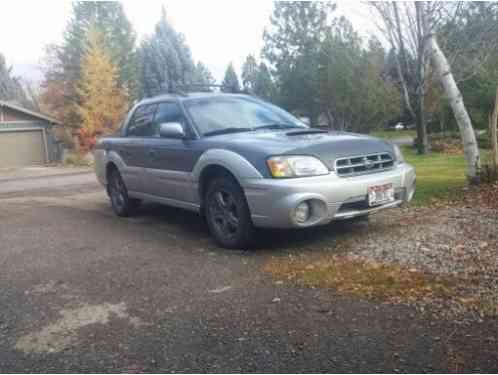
column 217, row 31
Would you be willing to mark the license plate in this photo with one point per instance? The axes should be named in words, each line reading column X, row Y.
column 380, row 194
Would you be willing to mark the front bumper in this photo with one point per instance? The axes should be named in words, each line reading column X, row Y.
column 272, row 201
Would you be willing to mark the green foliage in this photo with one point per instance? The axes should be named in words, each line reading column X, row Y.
column 352, row 78
column 264, row 87
column 64, row 61
column 249, row 73
column 10, row 86
column 257, row 79
column 202, row 76
column 119, row 39
column 165, row 60
column 321, row 67
column 292, row 47
column 470, row 39
column 231, row 81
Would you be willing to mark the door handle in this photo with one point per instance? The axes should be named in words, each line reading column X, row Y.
column 152, row 154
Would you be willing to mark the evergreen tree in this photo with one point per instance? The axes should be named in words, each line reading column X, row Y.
column 118, row 38
column 10, row 87
column 291, row 46
column 249, row 73
column 264, row 86
column 63, row 68
column 352, row 77
column 165, row 60
column 202, row 76
column 231, row 81
column 103, row 101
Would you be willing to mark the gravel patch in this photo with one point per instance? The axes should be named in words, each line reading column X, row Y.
column 460, row 242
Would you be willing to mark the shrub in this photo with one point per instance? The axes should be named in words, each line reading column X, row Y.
column 78, row 160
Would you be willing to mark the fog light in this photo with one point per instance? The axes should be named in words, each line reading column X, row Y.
column 302, row 212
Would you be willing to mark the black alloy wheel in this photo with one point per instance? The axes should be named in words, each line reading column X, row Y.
column 122, row 205
column 227, row 214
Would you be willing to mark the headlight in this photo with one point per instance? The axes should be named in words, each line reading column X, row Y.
column 296, row 166
column 398, row 155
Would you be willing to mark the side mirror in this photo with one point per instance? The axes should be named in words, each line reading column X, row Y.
column 171, row 130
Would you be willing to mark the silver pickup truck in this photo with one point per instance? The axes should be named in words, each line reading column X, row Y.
column 244, row 163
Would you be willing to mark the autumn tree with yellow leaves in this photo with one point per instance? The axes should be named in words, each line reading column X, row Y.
column 102, row 103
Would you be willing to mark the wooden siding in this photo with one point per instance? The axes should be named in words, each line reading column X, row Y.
column 9, row 115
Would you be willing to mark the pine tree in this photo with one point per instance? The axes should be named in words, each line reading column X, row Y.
column 10, row 86
column 264, row 86
column 291, row 46
column 249, row 73
column 103, row 101
column 231, row 81
column 117, row 33
column 202, row 76
column 63, row 68
column 165, row 60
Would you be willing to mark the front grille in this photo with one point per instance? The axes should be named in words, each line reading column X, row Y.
column 355, row 165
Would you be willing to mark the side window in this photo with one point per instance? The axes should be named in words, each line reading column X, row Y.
column 168, row 112
column 142, row 124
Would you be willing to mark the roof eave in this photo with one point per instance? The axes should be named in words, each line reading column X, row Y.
column 29, row 112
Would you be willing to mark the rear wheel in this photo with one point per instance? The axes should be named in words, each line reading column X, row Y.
column 227, row 214
column 122, row 205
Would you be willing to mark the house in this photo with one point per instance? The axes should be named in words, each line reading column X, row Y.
column 26, row 137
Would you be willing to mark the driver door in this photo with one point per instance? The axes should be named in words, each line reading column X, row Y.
column 169, row 161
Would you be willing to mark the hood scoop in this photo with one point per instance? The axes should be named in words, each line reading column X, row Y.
column 306, row 131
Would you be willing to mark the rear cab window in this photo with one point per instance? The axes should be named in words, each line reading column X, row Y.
column 142, row 122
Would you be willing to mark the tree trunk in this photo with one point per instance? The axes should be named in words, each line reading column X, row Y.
column 492, row 133
column 471, row 150
column 442, row 126
column 401, row 64
column 330, row 118
column 422, row 141
column 402, row 51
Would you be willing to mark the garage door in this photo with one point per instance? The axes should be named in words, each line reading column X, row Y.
column 21, row 148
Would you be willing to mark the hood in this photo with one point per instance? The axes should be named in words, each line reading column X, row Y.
column 325, row 145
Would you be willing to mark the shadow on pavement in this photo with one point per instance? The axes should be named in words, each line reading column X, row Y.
column 194, row 226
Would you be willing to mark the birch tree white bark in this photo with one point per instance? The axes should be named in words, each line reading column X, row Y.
column 492, row 132
column 443, row 70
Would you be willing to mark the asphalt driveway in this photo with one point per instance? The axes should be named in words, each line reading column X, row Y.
column 84, row 291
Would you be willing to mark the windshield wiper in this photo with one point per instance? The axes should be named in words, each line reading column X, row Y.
column 276, row 126
column 227, row 131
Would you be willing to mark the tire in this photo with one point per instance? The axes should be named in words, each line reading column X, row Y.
column 227, row 214
column 122, row 205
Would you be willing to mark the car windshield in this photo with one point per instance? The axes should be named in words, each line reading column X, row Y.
column 222, row 115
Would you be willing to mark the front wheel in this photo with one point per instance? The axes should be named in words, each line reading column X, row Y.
column 228, row 215
column 122, row 205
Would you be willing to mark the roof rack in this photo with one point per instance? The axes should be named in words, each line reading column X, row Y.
column 189, row 86
column 184, row 89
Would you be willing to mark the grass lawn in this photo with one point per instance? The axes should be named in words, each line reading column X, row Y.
column 439, row 176
column 393, row 134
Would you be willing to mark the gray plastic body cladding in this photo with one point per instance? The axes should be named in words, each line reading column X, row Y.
column 272, row 201
column 185, row 183
column 241, row 169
